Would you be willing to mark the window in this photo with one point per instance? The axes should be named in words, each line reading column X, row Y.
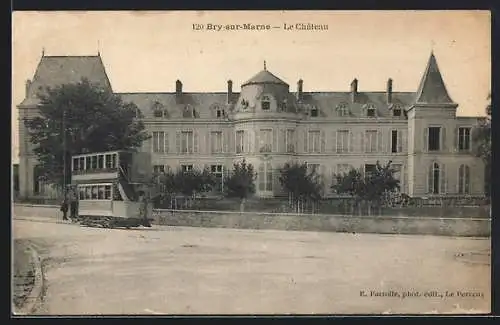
column 343, row 109
column 158, row 113
column 100, row 161
column 371, row 110
column 81, row 163
column 283, row 106
column 109, row 162
column 217, row 172
column 434, row 138
column 100, row 192
column 314, row 141
column 463, row 139
column 265, row 177
column 186, row 168
column 94, row 191
column 160, row 142
column 76, row 165
column 342, row 141
column 313, row 168
column 371, row 141
column 266, row 103
column 187, row 142
column 216, row 141
column 107, row 192
column 370, row 169
column 113, row 160
column 434, row 179
column 343, row 168
column 81, row 193
column 397, row 111
column 94, row 162
column 220, row 112
column 290, row 141
column 158, row 169
column 240, row 141
column 314, row 112
column 266, row 140
column 396, row 141
column 464, row 179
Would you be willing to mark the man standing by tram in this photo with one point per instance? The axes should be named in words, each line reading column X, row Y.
column 73, row 204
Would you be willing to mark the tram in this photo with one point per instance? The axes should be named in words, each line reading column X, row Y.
column 112, row 187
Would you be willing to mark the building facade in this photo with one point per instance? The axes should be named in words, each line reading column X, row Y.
column 269, row 124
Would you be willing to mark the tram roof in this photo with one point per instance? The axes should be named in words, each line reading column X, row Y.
column 101, row 153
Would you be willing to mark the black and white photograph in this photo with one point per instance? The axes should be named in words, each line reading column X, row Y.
column 251, row 162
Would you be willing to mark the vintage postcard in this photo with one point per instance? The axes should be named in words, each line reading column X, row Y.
column 260, row 162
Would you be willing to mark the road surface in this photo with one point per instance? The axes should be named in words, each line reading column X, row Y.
column 175, row 270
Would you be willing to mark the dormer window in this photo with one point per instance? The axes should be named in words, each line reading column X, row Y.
column 159, row 111
column 283, row 106
column 343, row 109
column 220, row 112
column 266, row 103
column 314, row 112
column 397, row 111
column 371, row 110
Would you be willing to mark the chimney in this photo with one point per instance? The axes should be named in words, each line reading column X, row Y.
column 354, row 89
column 178, row 91
column 28, row 84
column 300, row 85
column 229, row 91
column 389, row 91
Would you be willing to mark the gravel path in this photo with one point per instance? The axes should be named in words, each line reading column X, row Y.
column 23, row 273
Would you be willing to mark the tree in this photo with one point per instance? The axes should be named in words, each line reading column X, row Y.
column 482, row 140
column 300, row 183
column 240, row 184
column 192, row 182
column 81, row 118
column 370, row 187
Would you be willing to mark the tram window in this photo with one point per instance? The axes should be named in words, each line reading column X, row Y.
column 109, row 163
column 114, row 161
column 88, row 193
column 81, row 163
column 87, row 162
column 94, row 193
column 94, row 162
column 100, row 193
column 81, row 193
column 75, row 164
column 100, row 161
column 107, row 192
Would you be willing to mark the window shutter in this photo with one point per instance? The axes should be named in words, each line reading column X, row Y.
column 380, row 145
column 208, row 141
column 306, row 134
column 362, row 141
column 400, row 141
column 404, row 140
column 426, row 136
column 351, row 141
column 442, row 176
column 230, row 141
column 455, row 139
column 225, row 140
column 444, row 146
column 195, row 141
column 467, row 180
column 282, row 141
column 430, row 178
column 323, row 141
column 334, row 141
column 275, row 140
column 257, row 142
column 178, row 141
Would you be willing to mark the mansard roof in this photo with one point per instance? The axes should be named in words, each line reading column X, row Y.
column 53, row 71
column 432, row 89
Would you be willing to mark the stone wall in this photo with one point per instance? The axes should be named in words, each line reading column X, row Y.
column 474, row 227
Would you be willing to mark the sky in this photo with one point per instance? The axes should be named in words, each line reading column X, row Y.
column 148, row 51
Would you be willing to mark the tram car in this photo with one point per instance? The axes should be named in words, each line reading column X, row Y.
column 112, row 188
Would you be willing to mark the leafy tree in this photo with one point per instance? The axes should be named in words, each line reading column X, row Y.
column 300, row 183
column 482, row 140
column 370, row 187
column 81, row 118
column 192, row 182
column 240, row 184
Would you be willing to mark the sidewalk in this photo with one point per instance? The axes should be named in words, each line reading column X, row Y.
column 54, row 219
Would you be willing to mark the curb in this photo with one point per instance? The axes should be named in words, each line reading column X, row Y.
column 36, row 292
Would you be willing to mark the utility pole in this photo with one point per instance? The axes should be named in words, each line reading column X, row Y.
column 64, row 148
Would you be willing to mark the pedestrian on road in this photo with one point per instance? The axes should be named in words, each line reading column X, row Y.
column 73, row 204
column 64, row 206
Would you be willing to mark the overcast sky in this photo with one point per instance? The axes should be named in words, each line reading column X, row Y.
column 148, row 51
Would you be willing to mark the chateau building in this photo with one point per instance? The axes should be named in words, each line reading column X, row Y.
column 269, row 124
